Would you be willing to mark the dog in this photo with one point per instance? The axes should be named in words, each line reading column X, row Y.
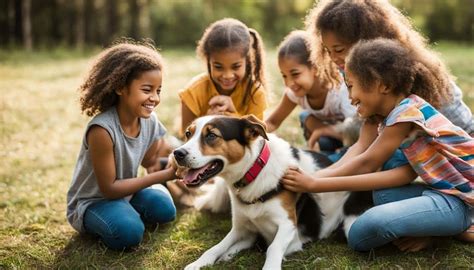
column 252, row 162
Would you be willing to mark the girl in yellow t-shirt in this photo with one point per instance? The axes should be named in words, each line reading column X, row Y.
column 234, row 83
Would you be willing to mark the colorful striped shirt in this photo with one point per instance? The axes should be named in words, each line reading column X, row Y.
column 441, row 153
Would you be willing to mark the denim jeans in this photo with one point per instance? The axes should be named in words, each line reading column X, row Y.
column 411, row 210
column 119, row 223
column 327, row 145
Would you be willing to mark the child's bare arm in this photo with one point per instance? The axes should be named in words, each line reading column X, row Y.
column 367, row 135
column 297, row 181
column 325, row 130
column 378, row 152
column 151, row 159
column 281, row 112
column 383, row 147
column 103, row 162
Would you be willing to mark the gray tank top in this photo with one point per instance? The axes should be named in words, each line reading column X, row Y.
column 128, row 155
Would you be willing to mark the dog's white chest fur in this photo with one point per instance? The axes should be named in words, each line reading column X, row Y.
column 263, row 218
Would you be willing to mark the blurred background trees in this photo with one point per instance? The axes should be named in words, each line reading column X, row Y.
column 180, row 23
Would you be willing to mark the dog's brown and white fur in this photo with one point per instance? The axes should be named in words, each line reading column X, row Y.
column 228, row 147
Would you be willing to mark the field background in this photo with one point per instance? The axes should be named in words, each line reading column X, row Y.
column 41, row 129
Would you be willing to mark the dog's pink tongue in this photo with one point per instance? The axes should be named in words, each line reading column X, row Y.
column 193, row 174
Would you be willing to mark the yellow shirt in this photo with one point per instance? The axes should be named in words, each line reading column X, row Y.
column 201, row 89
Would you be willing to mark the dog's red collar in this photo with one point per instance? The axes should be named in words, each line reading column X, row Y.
column 257, row 166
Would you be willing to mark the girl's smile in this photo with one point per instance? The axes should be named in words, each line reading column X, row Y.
column 142, row 95
column 300, row 78
column 227, row 68
column 374, row 100
column 368, row 100
column 336, row 48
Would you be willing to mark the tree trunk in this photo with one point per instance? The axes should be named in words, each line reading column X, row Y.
column 134, row 31
column 6, row 22
column 79, row 27
column 56, row 22
column 26, row 25
column 17, row 25
column 112, row 20
column 144, row 18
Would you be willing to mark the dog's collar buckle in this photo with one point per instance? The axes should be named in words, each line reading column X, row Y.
column 257, row 166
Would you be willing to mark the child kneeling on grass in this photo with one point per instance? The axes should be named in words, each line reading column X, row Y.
column 325, row 102
column 106, row 198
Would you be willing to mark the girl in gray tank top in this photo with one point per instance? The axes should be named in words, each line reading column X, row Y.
column 106, row 198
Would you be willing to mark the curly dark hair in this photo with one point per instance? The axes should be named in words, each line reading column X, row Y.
column 297, row 45
column 115, row 68
column 230, row 33
column 387, row 61
column 354, row 20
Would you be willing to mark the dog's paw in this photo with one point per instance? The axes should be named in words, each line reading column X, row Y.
column 226, row 257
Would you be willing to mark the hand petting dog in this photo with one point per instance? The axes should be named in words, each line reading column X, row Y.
column 297, row 181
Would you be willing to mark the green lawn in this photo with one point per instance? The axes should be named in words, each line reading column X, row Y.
column 41, row 130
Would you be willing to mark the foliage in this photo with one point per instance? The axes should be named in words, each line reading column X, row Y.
column 83, row 23
column 441, row 19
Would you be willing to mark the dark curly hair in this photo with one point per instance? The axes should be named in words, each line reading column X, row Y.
column 387, row 61
column 114, row 69
column 297, row 45
column 354, row 20
column 230, row 33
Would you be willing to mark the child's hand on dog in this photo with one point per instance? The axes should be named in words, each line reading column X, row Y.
column 221, row 104
column 297, row 181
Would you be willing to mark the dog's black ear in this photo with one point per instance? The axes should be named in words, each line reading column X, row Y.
column 254, row 127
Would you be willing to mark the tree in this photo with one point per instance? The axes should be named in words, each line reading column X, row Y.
column 26, row 25
column 79, row 27
column 112, row 19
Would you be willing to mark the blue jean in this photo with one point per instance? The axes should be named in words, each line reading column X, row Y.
column 411, row 210
column 119, row 223
column 327, row 145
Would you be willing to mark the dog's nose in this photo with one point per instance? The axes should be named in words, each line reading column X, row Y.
column 180, row 155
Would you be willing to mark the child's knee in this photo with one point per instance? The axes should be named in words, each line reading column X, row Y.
column 126, row 234
column 303, row 116
column 161, row 208
column 168, row 213
column 354, row 243
column 366, row 227
column 358, row 233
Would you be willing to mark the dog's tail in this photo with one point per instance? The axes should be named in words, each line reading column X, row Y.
column 215, row 198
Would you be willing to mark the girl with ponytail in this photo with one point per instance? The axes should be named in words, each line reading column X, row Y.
column 234, row 83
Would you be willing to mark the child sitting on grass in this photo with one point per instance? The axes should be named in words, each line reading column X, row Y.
column 106, row 198
column 389, row 85
column 323, row 106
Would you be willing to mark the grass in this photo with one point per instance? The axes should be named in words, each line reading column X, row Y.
column 41, row 131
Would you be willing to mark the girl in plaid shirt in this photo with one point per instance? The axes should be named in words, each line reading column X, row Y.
column 391, row 88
